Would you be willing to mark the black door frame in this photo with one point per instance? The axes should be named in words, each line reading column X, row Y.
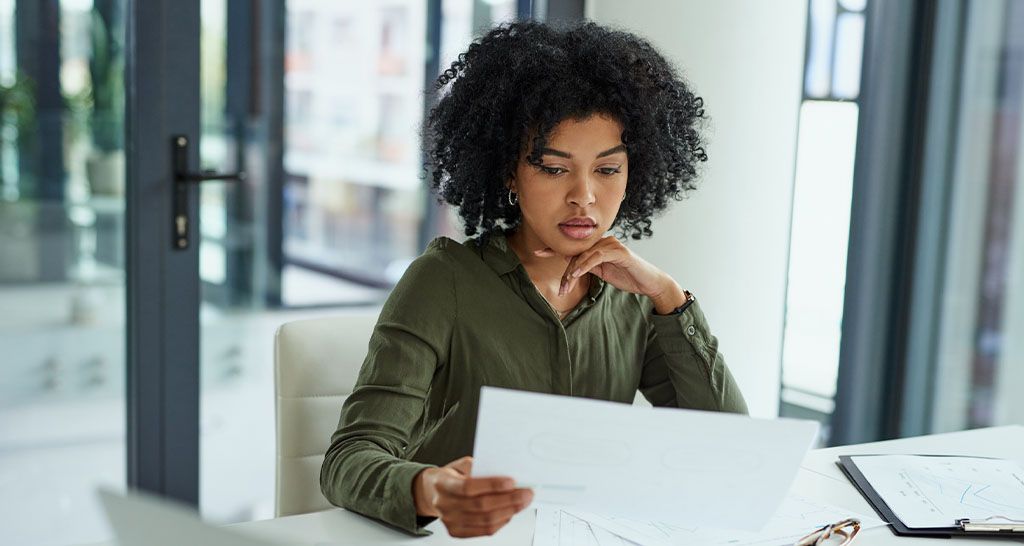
column 161, row 99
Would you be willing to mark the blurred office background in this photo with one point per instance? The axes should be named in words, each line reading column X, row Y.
column 857, row 240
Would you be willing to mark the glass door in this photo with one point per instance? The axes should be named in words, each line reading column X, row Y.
column 122, row 269
column 99, row 103
column 62, row 266
column 320, row 103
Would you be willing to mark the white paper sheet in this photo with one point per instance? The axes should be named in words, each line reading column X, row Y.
column 678, row 466
column 797, row 517
column 559, row 528
column 929, row 492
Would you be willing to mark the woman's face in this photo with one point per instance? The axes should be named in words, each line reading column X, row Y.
column 571, row 199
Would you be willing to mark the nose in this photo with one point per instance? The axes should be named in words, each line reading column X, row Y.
column 581, row 193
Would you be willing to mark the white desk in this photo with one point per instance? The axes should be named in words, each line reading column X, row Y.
column 819, row 478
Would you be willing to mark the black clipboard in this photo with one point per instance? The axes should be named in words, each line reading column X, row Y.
column 856, row 477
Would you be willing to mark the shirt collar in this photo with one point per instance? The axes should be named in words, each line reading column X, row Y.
column 498, row 254
column 503, row 260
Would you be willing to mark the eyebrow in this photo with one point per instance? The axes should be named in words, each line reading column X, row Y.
column 567, row 155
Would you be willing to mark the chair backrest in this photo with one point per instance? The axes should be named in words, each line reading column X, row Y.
column 316, row 362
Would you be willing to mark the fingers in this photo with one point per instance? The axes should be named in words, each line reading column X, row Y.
column 479, row 525
column 471, row 506
column 583, row 263
column 470, row 487
column 462, row 466
column 476, row 507
column 606, row 245
column 483, row 515
column 568, row 281
column 594, row 259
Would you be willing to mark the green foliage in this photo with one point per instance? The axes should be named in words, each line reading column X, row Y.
column 18, row 103
column 18, row 108
column 106, row 68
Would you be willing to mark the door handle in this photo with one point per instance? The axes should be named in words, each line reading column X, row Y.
column 183, row 182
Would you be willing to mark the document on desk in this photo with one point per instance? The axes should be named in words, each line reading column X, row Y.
column 676, row 466
column 797, row 517
column 934, row 491
column 560, row 528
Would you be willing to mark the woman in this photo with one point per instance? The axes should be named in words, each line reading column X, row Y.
column 544, row 140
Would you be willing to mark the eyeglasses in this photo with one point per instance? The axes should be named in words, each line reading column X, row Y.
column 846, row 529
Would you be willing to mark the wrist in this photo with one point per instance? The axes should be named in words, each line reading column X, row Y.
column 668, row 299
column 421, row 493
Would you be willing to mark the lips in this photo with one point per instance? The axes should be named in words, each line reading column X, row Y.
column 584, row 221
column 578, row 228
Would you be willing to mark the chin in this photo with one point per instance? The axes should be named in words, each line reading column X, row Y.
column 571, row 247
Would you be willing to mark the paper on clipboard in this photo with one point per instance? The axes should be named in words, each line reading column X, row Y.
column 935, row 491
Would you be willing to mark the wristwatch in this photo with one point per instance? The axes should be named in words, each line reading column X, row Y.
column 689, row 300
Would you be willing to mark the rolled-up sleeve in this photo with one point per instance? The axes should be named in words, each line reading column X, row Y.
column 682, row 365
column 366, row 469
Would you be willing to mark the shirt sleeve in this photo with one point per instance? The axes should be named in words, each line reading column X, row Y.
column 682, row 366
column 366, row 469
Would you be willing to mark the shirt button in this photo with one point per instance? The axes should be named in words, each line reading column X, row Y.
column 690, row 330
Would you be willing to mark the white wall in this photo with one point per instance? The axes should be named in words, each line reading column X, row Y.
column 728, row 243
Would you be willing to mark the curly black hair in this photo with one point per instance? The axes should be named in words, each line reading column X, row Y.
column 521, row 79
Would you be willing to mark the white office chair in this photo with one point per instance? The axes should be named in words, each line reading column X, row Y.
column 316, row 362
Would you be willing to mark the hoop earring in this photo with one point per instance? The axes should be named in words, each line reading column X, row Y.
column 510, row 200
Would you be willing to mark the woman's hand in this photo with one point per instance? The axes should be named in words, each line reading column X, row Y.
column 468, row 506
column 617, row 265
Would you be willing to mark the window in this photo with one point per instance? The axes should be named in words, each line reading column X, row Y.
column 356, row 204
column 980, row 354
column 821, row 207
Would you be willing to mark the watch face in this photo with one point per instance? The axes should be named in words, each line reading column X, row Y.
column 689, row 299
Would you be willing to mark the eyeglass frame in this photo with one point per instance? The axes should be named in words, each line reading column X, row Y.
column 847, row 528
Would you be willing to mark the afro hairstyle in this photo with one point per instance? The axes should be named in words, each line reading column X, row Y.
column 501, row 99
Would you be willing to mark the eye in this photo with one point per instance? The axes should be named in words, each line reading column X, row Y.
column 553, row 171
column 608, row 171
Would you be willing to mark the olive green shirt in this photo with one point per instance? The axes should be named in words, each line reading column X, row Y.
column 460, row 319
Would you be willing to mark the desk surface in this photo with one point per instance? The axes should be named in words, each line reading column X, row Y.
column 818, row 478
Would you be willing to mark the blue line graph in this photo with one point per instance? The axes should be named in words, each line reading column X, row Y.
column 934, row 491
column 964, row 491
